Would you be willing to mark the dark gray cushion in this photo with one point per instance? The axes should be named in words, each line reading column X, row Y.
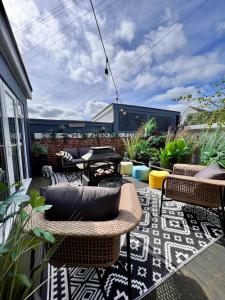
column 83, row 150
column 213, row 171
column 73, row 152
column 81, row 203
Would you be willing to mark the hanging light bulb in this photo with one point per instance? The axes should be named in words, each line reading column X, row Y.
column 124, row 113
column 106, row 69
column 121, row 109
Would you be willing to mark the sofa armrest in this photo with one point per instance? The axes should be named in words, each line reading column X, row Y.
column 187, row 169
column 187, row 179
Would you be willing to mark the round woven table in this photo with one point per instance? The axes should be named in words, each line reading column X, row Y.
column 113, row 182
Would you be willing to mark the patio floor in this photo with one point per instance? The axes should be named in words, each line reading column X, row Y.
column 203, row 278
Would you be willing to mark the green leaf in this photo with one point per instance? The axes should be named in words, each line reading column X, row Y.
column 3, row 187
column 23, row 215
column 43, row 234
column 17, row 198
column 49, row 237
column 36, row 200
column 3, row 249
column 24, row 280
column 42, row 208
column 14, row 256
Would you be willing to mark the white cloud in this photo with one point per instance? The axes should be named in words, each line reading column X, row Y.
column 91, row 108
column 126, row 31
column 82, row 75
column 145, row 79
column 48, row 110
column 169, row 40
column 201, row 67
column 221, row 28
column 175, row 92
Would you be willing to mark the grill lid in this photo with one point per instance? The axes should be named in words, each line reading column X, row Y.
column 101, row 154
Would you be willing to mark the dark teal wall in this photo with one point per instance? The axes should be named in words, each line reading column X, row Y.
column 135, row 116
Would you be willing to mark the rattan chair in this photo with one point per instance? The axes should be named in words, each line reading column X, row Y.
column 94, row 244
column 184, row 187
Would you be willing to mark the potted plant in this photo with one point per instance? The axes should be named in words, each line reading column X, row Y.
column 177, row 151
column 40, row 157
column 18, row 281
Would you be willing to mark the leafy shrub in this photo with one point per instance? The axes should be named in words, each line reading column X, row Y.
column 154, row 157
column 157, row 141
column 142, row 151
column 39, row 149
column 213, row 148
column 146, row 153
column 176, row 151
column 150, row 127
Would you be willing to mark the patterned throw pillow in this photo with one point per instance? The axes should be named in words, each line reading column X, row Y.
column 66, row 155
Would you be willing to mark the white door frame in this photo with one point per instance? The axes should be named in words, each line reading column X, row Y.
column 5, row 90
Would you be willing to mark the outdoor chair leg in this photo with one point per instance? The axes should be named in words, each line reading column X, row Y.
column 129, row 267
column 101, row 282
column 163, row 192
column 222, row 215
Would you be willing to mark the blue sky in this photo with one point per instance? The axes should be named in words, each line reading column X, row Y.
column 65, row 60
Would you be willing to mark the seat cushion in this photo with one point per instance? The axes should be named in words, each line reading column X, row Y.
column 140, row 172
column 81, row 203
column 213, row 171
column 73, row 152
column 83, row 150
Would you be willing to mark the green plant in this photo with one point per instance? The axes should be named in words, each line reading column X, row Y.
column 176, row 151
column 157, row 141
column 142, row 151
column 212, row 103
column 16, row 282
column 213, row 148
column 130, row 143
column 39, row 149
column 150, row 127
column 154, row 156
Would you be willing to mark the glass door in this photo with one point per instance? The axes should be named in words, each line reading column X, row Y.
column 13, row 125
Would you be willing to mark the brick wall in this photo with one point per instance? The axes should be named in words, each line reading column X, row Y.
column 60, row 144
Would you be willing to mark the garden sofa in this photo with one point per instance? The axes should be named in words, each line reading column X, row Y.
column 183, row 186
column 77, row 154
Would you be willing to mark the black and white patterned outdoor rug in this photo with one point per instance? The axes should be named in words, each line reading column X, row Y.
column 159, row 247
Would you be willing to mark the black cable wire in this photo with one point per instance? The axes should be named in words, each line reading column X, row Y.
column 168, row 32
column 106, row 56
column 64, row 27
column 54, row 12
column 157, row 42
column 74, row 29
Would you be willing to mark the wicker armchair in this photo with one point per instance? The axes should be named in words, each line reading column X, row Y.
column 94, row 244
column 184, row 187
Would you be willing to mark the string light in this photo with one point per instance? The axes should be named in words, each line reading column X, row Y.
column 106, row 68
